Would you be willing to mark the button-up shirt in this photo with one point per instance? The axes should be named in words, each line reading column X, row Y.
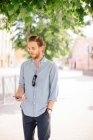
column 46, row 88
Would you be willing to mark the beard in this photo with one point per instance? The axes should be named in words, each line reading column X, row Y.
column 35, row 56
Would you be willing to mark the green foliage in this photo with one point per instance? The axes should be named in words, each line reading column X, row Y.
column 71, row 12
column 48, row 18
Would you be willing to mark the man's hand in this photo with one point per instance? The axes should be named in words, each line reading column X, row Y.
column 49, row 111
column 18, row 98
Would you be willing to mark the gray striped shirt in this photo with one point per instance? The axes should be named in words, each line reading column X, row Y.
column 46, row 87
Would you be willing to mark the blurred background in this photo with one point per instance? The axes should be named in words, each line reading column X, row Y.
column 67, row 29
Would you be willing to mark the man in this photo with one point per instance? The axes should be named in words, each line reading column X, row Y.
column 38, row 90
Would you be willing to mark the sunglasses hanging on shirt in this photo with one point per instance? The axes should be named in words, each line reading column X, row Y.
column 34, row 80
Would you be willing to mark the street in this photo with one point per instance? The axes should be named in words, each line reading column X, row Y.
column 72, row 116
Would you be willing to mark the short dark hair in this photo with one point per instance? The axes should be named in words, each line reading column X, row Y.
column 37, row 39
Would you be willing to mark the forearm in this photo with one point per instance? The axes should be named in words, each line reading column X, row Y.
column 50, row 104
column 20, row 92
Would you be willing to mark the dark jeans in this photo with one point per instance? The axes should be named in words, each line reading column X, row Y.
column 43, row 126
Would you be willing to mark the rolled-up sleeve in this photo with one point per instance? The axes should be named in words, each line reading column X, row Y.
column 21, row 77
column 53, row 84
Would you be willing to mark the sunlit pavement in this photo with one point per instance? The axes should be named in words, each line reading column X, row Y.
column 72, row 117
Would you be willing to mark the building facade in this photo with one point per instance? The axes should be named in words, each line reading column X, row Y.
column 81, row 54
column 7, row 55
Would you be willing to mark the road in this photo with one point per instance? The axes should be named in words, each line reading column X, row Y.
column 72, row 117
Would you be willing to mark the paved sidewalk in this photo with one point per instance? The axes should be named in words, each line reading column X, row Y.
column 72, row 118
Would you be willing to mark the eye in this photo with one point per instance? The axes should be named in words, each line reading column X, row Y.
column 31, row 48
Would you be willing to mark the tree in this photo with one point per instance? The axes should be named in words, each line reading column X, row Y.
column 47, row 18
column 71, row 12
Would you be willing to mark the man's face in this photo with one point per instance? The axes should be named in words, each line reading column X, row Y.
column 34, row 49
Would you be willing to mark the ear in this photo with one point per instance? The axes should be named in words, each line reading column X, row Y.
column 43, row 49
column 27, row 49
